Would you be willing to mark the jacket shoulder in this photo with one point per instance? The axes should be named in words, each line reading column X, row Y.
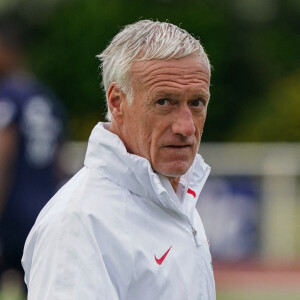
column 88, row 197
column 84, row 221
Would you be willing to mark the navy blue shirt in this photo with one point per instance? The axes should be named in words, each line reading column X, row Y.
column 39, row 121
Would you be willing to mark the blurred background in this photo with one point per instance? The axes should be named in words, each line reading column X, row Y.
column 251, row 203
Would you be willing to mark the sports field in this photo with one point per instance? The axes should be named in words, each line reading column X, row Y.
column 258, row 296
column 253, row 281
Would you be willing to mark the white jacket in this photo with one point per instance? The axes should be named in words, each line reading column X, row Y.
column 117, row 230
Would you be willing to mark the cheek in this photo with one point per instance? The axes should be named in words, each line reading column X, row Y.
column 154, row 139
column 160, row 134
column 142, row 138
column 199, row 125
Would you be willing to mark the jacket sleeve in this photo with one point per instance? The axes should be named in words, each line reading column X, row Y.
column 63, row 261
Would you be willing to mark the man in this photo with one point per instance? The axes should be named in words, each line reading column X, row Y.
column 30, row 132
column 125, row 226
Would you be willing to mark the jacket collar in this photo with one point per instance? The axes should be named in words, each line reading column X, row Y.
column 107, row 155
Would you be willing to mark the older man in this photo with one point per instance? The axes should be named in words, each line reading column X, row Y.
column 125, row 226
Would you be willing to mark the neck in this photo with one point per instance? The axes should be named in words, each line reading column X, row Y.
column 174, row 182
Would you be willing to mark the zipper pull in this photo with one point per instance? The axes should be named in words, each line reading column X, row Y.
column 195, row 234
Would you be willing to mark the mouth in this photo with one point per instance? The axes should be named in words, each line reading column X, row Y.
column 178, row 146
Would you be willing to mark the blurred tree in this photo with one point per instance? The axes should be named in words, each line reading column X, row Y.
column 274, row 47
column 278, row 119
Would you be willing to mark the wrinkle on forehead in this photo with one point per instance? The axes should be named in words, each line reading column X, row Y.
column 144, row 69
column 174, row 73
column 192, row 80
column 170, row 68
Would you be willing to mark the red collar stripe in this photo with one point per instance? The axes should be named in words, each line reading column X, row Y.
column 191, row 192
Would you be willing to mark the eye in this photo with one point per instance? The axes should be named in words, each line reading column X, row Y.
column 198, row 103
column 163, row 102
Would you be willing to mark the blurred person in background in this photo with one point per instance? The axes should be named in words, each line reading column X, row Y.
column 31, row 132
column 125, row 226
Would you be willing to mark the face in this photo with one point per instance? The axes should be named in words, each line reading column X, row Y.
column 165, row 120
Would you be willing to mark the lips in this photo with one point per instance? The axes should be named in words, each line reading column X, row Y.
column 177, row 149
column 177, row 146
column 178, row 143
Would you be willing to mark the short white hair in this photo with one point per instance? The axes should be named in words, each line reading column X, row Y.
column 144, row 40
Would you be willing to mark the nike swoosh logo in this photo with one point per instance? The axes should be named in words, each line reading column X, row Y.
column 160, row 260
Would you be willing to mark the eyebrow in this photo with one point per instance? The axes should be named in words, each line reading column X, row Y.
column 164, row 95
column 202, row 94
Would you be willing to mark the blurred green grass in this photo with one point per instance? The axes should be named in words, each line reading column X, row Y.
column 258, row 295
column 298, row 230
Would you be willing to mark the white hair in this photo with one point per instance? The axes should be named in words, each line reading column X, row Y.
column 144, row 40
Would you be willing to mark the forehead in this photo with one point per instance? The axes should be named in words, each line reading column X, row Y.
column 187, row 73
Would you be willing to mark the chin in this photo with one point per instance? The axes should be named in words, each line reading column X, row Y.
column 177, row 170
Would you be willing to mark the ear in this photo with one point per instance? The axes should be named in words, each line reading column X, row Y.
column 116, row 100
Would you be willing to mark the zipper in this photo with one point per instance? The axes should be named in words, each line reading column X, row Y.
column 196, row 237
column 194, row 231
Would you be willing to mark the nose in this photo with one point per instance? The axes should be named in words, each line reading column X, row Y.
column 183, row 122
